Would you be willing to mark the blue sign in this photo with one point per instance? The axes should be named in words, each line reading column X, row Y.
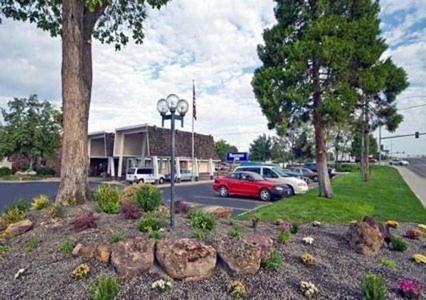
column 237, row 157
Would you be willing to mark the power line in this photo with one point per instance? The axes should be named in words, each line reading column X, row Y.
column 410, row 107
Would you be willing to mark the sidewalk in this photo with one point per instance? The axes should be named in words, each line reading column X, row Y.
column 415, row 182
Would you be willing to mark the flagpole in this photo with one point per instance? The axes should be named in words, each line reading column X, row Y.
column 193, row 144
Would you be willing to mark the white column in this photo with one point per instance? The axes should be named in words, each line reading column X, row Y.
column 211, row 168
column 111, row 159
column 120, row 166
column 154, row 160
column 178, row 175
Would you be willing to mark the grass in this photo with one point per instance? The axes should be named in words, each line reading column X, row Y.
column 385, row 196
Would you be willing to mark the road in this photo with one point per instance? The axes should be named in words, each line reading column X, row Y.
column 418, row 166
column 199, row 193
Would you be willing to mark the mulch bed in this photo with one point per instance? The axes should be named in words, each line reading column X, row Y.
column 337, row 273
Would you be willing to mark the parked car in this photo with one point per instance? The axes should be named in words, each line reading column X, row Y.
column 313, row 167
column 305, row 172
column 250, row 184
column 276, row 174
column 143, row 175
column 185, row 175
column 291, row 173
column 399, row 162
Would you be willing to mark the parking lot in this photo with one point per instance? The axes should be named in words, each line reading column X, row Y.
column 197, row 193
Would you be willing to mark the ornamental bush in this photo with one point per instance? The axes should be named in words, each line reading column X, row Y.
column 108, row 199
column 104, row 288
column 398, row 244
column 273, row 261
column 40, row 202
column 148, row 197
column 150, row 222
column 15, row 213
column 5, row 171
column 201, row 220
column 128, row 194
column 373, row 288
column 84, row 221
column 45, row 171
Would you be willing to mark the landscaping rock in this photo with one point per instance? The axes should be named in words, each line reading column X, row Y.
column 240, row 256
column 102, row 253
column 99, row 252
column 219, row 212
column 131, row 257
column 19, row 228
column 384, row 230
column 264, row 243
column 185, row 258
column 365, row 239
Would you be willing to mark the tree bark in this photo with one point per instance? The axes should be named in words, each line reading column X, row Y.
column 325, row 189
column 76, row 92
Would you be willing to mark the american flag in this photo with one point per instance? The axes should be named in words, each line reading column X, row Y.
column 194, row 107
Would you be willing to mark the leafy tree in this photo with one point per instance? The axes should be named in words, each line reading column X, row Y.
column 307, row 59
column 377, row 80
column 280, row 151
column 77, row 21
column 303, row 148
column 261, row 148
column 31, row 128
column 222, row 147
column 356, row 146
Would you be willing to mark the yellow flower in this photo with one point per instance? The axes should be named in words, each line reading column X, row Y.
column 419, row 258
column 391, row 223
column 308, row 259
column 422, row 226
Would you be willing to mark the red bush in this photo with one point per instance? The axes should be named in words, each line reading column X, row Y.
column 413, row 234
column 84, row 221
column 130, row 211
column 182, row 207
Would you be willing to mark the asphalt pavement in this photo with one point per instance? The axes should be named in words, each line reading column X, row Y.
column 198, row 193
column 418, row 166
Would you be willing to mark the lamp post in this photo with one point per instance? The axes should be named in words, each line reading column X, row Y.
column 172, row 105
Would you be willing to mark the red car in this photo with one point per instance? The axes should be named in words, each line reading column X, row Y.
column 250, row 184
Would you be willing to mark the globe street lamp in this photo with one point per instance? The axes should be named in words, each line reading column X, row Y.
column 173, row 105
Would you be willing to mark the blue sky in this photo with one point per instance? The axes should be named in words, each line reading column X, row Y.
column 213, row 42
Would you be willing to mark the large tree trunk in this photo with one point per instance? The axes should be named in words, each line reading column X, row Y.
column 325, row 189
column 76, row 92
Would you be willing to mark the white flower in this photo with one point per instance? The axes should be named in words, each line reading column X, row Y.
column 19, row 273
column 308, row 289
column 316, row 223
column 161, row 285
column 308, row 240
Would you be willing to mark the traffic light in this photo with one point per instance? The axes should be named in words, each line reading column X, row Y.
column 416, row 134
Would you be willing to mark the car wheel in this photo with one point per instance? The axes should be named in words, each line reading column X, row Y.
column 223, row 191
column 265, row 195
column 291, row 190
column 140, row 181
column 161, row 180
column 315, row 179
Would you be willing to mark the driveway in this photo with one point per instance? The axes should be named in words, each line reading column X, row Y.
column 198, row 193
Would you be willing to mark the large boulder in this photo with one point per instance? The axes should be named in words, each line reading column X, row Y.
column 364, row 238
column 219, row 212
column 18, row 228
column 185, row 258
column 132, row 257
column 384, row 230
column 262, row 241
column 239, row 255
column 100, row 252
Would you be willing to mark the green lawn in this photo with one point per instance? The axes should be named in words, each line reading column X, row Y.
column 385, row 196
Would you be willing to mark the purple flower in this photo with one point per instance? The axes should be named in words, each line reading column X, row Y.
column 286, row 226
column 409, row 288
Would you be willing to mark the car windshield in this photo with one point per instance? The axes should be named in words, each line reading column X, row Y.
column 131, row 171
column 280, row 172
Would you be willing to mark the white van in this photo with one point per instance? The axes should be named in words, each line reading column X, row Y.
column 274, row 173
column 143, row 175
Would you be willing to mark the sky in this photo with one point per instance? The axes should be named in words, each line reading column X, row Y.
column 212, row 42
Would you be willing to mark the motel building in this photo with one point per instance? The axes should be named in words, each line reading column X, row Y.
column 112, row 154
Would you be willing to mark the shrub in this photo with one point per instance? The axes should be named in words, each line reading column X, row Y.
column 273, row 261
column 130, row 211
column 15, row 213
column 66, row 246
column 308, row 259
column 155, row 234
column 200, row 234
column 294, row 228
column 108, row 199
column 104, row 288
column 24, row 167
column 182, row 207
column 45, row 171
column 284, row 237
column 150, row 223
column 81, row 271
column 410, row 289
column 255, row 222
column 31, row 243
column 40, row 202
column 84, row 221
column 115, row 237
column 373, row 288
column 237, row 289
column 70, row 202
column 235, row 231
column 413, row 234
column 347, row 168
column 398, row 244
column 5, row 171
column 161, row 212
column 55, row 211
column 148, row 197
column 201, row 220
column 128, row 194
column 3, row 249
column 391, row 264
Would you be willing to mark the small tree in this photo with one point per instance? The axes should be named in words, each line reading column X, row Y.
column 31, row 128
column 261, row 148
column 222, row 147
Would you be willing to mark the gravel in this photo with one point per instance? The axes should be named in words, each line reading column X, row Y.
column 337, row 273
